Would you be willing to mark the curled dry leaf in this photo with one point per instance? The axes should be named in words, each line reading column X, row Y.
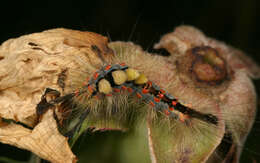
column 43, row 140
column 29, row 65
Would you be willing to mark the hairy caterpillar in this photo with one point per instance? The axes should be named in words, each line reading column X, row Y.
column 121, row 78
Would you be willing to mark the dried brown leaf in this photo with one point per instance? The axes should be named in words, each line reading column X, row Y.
column 28, row 65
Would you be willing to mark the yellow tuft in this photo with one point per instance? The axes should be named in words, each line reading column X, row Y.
column 132, row 74
column 141, row 79
column 119, row 77
column 104, row 86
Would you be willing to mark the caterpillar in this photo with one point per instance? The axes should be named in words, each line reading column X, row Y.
column 120, row 93
column 119, row 77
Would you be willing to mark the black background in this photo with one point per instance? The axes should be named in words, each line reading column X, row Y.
column 234, row 21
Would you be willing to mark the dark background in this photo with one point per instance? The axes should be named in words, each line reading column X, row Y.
column 234, row 21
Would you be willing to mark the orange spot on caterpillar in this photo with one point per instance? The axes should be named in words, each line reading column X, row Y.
column 124, row 87
column 171, row 108
column 152, row 104
column 130, row 90
column 162, row 91
column 122, row 64
column 144, row 91
column 138, row 95
column 160, row 95
column 108, row 67
column 95, row 76
column 166, row 112
column 174, row 103
column 147, row 87
column 149, row 83
column 157, row 99
column 90, row 89
column 116, row 90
